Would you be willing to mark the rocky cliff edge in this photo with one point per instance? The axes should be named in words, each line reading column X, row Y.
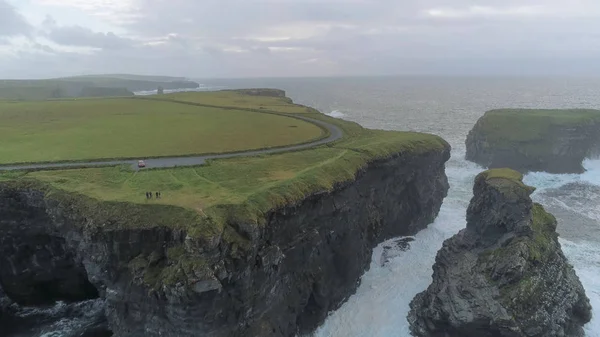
column 505, row 274
column 555, row 141
column 277, row 279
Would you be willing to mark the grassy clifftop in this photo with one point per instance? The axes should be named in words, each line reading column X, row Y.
column 555, row 141
column 238, row 189
column 79, row 86
column 507, row 181
column 504, row 126
column 87, row 129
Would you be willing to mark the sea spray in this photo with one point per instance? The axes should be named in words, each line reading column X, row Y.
column 380, row 305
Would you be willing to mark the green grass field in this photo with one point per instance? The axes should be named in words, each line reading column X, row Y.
column 229, row 190
column 43, row 89
column 532, row 124
column 238, row 100
column 134, row 128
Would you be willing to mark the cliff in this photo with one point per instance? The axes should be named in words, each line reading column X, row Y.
column 104, row 92
column 505, row 274
column 276, row 278
column 555, row 141
column 72, row 86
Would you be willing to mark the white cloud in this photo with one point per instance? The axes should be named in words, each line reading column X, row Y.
column 83, row 37
column 485, row 11
column 12, row 23
column 215, row 38
column 114, row 11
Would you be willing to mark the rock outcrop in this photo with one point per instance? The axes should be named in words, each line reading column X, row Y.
column 555, row 141
column 276, row 279
column 505, row 274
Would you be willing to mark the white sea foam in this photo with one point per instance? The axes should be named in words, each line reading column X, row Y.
column 381, row 304
column 336, row 114
column 584, row 258
column 170, row 91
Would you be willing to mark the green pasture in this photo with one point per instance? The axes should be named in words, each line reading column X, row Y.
column 227, row 190
column 88, row 129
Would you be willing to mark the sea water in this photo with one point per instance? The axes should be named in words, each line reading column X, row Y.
column 448, row 107
column 381, row 304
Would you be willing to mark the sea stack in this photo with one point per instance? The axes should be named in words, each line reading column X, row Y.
column 505, row 274
column 555, row 141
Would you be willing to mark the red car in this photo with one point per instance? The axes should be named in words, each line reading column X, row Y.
column 141, row 163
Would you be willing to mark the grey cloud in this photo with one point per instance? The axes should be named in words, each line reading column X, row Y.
column 83, row 37
column 214, row 38
column 12, row 23
column 44, row 48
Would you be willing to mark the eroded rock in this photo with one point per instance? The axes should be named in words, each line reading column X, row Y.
column 278, row 278
column 505, row 274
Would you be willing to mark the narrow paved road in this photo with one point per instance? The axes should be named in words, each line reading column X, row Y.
column 335, row 133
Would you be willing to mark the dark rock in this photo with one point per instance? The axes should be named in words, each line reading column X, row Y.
column 555, row 141
column 276, row 279
column 36, row 267
column 391, row 251
column 505, row 274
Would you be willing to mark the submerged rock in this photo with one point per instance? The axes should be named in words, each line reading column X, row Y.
column 395, row 249
column 555, row 141
column 505, row 274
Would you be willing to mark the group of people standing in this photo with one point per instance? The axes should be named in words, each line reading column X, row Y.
column 149, row 195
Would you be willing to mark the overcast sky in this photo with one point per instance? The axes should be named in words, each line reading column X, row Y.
column 269, row 38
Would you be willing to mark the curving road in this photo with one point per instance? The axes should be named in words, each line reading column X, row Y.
column 335, row 133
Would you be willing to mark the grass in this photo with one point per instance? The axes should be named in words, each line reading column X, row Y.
column 256, row 184
column 238, row 189
column 30, row 93
column 132, row 128
column 507, row 181
column 43, row 89
column 531, row 128
column 239, row 100
column 206, row 201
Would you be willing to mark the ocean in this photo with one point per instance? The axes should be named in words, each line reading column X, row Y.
column 448, row 107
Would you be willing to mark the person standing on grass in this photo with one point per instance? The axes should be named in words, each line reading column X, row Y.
column 156, row 195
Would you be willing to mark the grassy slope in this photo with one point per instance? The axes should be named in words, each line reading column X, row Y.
column 105, row 92
column 240, row 188
column 127, row 77
column 507, row 181
column 505, row 127
column 238, row 100
column 43, row 89
column 125, row 128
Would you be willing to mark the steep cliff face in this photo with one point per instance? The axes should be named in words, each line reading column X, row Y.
column 505, row 274
column 275, row 279
column 555, row 141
